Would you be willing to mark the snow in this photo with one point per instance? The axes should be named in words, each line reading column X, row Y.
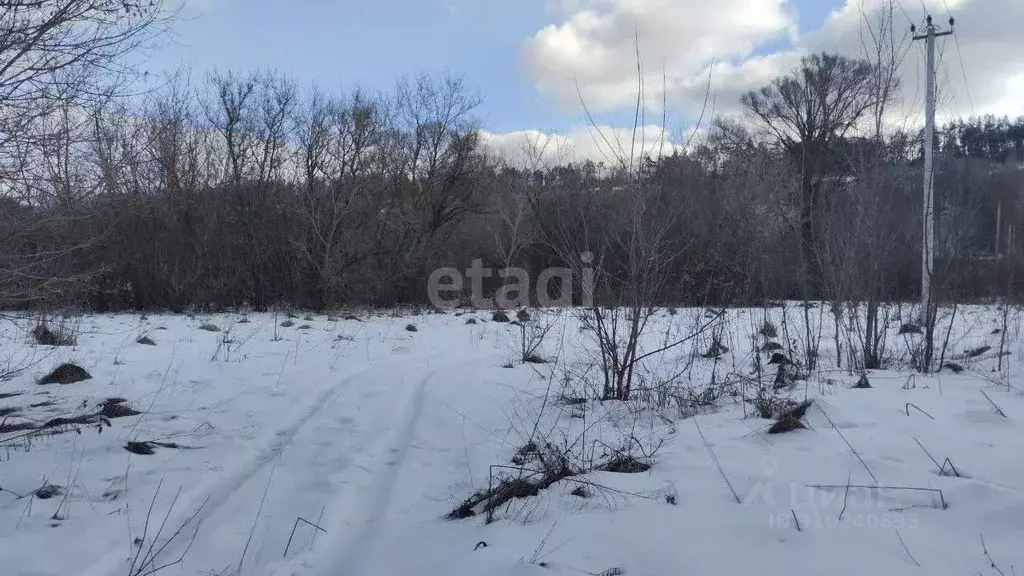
column 374, row 433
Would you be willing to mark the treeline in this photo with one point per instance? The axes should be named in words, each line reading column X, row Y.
column 245, row 190
column 241, row 189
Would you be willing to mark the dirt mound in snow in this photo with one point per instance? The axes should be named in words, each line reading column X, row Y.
column 66, row 373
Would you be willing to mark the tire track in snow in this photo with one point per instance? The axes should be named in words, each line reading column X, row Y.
column 368, row 475
column 217, row 493
column 358, row 510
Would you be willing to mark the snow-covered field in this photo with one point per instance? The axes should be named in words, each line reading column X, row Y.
column 338, row 447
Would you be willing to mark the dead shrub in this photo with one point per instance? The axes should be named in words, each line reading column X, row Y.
column 45, row 336
column 8, row 427
column 910, row 328
column 506, row 490
column 499, row 316
column 716, row 350
column 551, row 465
column 528, row 449
column 148, row 447
column 287, row 323
column 862, row 382
column 80, row 420
column 791, row 419
column 769, row 405
column 48, row 491
column 625, row 464
column 975, row 352
column 115, row 408
column 209, row 327
column 785, row 424
column 800, row 410
column 954, row 367
column 768, row 330
column 526, row 453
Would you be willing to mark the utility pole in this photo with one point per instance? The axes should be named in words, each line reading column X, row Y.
column 931, row 32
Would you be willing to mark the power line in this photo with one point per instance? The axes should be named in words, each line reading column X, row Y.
column 945, row 92
column 963, row 68
column 916, row 102
column 924, row 8
column 904, row 10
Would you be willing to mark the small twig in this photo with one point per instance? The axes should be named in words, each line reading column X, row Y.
column 942, row 497
column 144, row 564
column 989, row 557
column 994, row 405
column 850, row 446
column 256, row 520
column 292, row 535
column 16, row 495
column 318, row 520
column 914, row 560
column 846, row 495
column 916, row 407
column 934, row 461
column 796, row 520
column 942, row 469
column 717, row 463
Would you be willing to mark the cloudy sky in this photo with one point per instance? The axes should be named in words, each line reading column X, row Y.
column 532, row 60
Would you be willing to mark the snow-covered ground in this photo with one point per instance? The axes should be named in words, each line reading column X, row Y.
column 338, row 447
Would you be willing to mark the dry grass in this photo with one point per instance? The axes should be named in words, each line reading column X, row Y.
column 45, row 336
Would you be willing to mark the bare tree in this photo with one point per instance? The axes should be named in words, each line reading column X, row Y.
column 340, row 142
column 55, row 51
column 805, row 113
column 57, row 58
column 862, row 223
column 231, row 113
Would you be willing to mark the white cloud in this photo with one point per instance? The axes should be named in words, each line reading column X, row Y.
column 987, row 37
column 607, row 144
column 593, row 46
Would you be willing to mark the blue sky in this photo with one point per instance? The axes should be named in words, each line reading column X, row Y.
column 527, row 57
column 343, row 43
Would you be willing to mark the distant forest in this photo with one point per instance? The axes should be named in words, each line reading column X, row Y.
column 258, row 195
column 240, row 189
